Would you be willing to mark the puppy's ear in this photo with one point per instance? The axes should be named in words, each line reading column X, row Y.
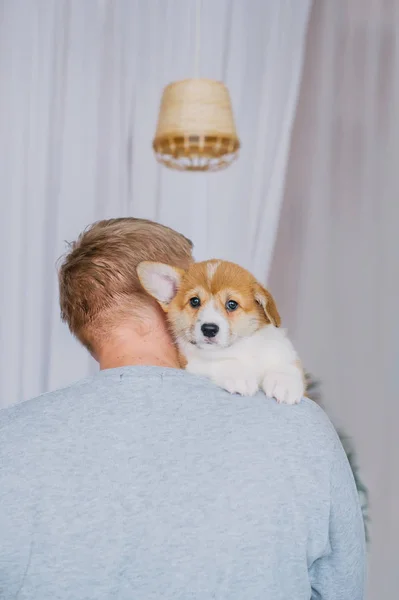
column 266, row 301
column 160, row 281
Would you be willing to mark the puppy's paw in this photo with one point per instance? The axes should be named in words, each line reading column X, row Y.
column 245, row 386
column 286, row 387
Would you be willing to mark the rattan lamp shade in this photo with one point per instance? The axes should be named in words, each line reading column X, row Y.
column 196, row 130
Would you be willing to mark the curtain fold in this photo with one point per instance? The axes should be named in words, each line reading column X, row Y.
column 336, row 260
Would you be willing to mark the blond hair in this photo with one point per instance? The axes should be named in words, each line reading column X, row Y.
column 98, row 281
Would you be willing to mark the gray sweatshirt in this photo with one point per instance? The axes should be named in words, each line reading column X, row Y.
column 150, row 483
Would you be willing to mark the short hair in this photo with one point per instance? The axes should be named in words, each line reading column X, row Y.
column 98, row 281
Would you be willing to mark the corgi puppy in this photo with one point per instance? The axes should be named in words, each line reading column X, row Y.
column 226, row 327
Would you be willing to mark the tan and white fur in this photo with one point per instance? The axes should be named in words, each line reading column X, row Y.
column 226, row 327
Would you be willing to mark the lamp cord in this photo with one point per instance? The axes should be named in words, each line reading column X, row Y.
column 197, row 38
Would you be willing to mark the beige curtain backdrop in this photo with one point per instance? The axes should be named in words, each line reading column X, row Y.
column 336, row 265
column 80, row 86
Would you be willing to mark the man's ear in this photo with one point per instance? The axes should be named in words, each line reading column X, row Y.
column 160, row 281
column 266, row 301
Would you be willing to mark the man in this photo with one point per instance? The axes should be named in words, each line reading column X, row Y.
column 146, row 482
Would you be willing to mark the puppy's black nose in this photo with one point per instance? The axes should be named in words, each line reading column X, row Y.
column 209, row 329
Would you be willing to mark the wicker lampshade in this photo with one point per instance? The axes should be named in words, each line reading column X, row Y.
column 196, row 130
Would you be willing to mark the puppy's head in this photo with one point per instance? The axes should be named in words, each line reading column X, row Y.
column 212, row 304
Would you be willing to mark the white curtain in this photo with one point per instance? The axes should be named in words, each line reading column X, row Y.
column 80, row 84
column 335, row 271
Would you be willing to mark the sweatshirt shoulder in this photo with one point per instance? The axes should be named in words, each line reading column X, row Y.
column 312, row 421
column 309, row 412
column 44, row 404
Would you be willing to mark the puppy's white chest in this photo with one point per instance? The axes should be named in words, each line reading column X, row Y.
column 266, row 360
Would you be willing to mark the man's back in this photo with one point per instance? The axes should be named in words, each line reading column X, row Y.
column 149, row 483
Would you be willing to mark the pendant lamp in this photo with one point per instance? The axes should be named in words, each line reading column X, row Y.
column 196, row 130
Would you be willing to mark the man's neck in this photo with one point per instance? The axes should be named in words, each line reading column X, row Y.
column 129, row 347
column 130, row 359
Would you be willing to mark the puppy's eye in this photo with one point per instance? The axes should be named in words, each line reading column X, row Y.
column 231, row 305
column 195, row 302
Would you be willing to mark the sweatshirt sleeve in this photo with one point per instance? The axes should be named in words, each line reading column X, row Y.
column 340, row 573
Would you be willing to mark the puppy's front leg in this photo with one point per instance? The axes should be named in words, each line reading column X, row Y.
column 236, row 378
column 229, row 374
column 286, row 383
